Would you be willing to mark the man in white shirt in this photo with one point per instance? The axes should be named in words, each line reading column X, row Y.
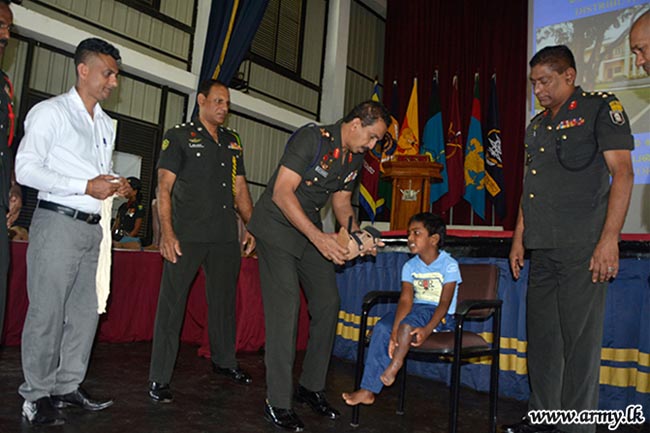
column 66, row 155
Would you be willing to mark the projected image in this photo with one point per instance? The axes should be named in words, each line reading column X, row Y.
column 598, row 38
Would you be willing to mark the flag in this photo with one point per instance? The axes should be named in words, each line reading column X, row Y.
column 453, row 155
column 369, row 189
column 494, row 163
column 393, row 129
column 474, row 160
column 408, row 142
column 389, row 147
column 433, row 141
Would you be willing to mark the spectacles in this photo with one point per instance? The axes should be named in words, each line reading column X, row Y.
column 5, row 26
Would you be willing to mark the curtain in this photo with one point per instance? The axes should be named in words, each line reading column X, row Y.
column 231, row 28
column 464, row 37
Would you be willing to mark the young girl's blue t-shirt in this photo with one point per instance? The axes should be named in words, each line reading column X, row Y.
column 428, row 280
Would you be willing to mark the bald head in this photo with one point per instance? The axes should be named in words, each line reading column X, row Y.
column 640, row 41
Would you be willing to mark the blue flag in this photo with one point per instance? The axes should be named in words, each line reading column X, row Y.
column 434, row 142
column 474, row 158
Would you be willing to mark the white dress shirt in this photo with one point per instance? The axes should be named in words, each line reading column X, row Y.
column 63, row 148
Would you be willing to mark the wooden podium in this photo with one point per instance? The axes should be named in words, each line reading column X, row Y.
column 411, row 177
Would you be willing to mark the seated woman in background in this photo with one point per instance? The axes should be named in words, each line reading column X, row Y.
column 129, row 219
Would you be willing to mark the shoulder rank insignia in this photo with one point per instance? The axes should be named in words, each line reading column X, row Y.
column 234, row 146
column 325, row 133
column 165, row 144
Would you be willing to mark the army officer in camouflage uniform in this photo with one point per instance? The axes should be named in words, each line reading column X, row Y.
column 570, row 218
column 201, row 184
column 318, row 162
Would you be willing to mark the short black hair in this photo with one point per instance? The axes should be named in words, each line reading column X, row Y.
column 206, row 85
column 369, row 112
column 557, row 57
column 91, row 46
column 433, row 223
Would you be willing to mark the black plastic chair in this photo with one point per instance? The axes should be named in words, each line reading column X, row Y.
column 477, row 300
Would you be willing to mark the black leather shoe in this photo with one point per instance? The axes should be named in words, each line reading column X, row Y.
column 80, row 398
column 42, row 412
column 160, row 392
column 236, row 374
column 524, row 426
column 317, row 401
column 283, row 418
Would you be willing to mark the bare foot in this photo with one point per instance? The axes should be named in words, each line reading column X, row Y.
column 388, row 376
column 362, row 396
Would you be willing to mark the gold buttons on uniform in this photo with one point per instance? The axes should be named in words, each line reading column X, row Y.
column 541, row 149
column 531, row 195
column 533, row 171
column 563, row 137
column 549, row 127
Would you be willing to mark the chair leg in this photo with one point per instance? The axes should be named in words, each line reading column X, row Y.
column 354, row 422
column 454, row 395
column 402, row 389
column 494, row 372
column 494, row 392
column 361, row 350
column 455, row 378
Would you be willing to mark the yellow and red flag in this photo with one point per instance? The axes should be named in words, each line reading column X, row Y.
column 408, row 142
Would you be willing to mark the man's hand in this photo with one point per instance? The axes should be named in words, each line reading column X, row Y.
column 604, row 260
column 516, row 258
column 328, row 246
column 170, row 247
column 15, row 204
column 102, row 186
column 124, row 188
column 249, row 243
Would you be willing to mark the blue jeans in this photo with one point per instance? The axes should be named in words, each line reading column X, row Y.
column 377, row 359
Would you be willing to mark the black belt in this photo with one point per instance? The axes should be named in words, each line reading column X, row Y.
column 90, row 218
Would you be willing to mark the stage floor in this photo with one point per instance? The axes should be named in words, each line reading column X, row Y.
column 205, row 402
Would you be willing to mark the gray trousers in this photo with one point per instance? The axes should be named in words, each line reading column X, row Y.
column 221, row 264
column 281, row 275
column 62, row 316
column 565, row 330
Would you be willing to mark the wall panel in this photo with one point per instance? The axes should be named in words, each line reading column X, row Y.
column 263, row 146
column 141, row 30
column 175, row 110
column 312, row 51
